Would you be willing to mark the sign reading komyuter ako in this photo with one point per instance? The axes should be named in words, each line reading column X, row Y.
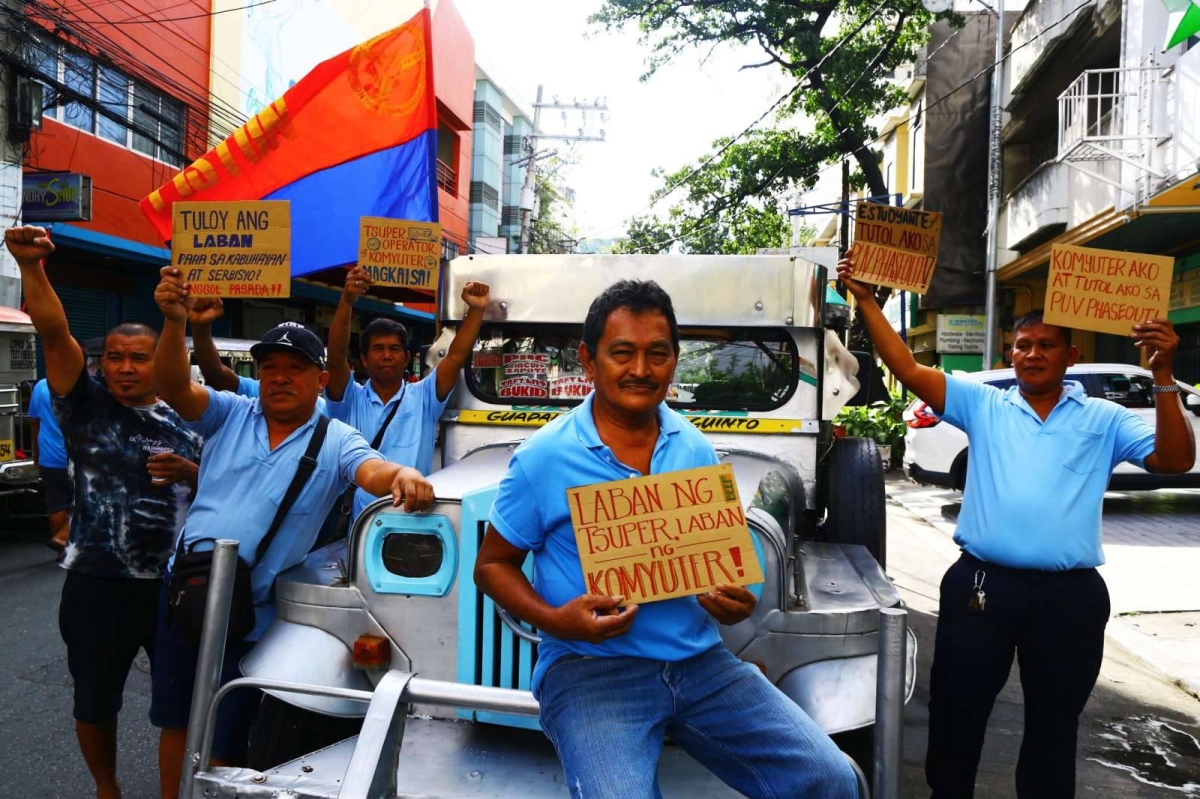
column 663, row 536
column 1107, row 291
column 895, row 247
column 396, row 252
column 233, row 249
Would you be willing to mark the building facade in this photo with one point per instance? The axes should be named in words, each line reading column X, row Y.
column 122, row 108
column 1100, row 151
column 933, row 154
column 503, row 123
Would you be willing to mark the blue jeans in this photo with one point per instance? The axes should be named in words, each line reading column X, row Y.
column 607, row 717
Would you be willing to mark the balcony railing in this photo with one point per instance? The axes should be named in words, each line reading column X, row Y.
column 447, row 178
column 1109, row 115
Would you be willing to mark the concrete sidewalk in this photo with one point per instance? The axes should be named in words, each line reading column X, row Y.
column 1138, row 735
column 1152, row 552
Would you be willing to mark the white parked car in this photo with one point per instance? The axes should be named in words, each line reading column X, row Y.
column 935, row 452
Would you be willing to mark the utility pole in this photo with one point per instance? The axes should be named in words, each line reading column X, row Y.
column 528, row 191
column 844, row 221
column 995, row 124
column 11, row 136
column 529, row 188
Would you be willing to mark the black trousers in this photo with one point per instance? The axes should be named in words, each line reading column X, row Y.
column 1054, row 622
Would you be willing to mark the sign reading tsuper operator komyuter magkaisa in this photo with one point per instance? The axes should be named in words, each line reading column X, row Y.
column 397, row 252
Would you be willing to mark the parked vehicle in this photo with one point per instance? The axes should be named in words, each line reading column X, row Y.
column 18, row 371
column 935, row 451
column 758, row 373
column 234, row 353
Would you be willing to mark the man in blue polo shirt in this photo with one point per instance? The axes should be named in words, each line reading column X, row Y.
column 1041, row 456
column 612, row 680
column 252, row 450
column 205, row 311
column 410, row 410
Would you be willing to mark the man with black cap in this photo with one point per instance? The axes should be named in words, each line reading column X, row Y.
column 252, row 450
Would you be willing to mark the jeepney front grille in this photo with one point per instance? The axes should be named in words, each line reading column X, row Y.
column 500, row 658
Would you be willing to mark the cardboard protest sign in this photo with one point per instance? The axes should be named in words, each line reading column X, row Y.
column 895, row 247
column 1106, row 290
column 396, row 252
column 663, row 536
column 234, row 249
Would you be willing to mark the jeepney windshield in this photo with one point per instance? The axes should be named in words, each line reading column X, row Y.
column 719, row 369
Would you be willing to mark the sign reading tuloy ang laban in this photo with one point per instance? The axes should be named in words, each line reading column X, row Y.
column 1106, row 291
column 664, row 535
column 895, row 247
column 233, row 249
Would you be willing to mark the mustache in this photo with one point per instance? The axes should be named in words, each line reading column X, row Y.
column 634, row 383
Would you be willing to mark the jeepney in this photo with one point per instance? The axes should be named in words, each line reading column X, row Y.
column 18, row 372
column 233, row 352
column 758, row 373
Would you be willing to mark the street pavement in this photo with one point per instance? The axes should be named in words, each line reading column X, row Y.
column 1152, row 549
column 1138, row 737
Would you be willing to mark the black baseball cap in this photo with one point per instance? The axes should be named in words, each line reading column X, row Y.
column 291, row 337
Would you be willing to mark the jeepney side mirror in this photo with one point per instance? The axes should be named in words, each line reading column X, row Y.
column 870, row 381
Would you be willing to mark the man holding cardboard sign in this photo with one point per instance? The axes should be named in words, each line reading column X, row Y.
column 1042, row 453
column 613, row 677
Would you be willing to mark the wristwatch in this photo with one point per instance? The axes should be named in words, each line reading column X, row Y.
column 1171, row 389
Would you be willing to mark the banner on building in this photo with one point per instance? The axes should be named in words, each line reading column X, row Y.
column 895, row 247
column 400, row 252
column 1106, row 291
column 233, row 249
column 664, row 535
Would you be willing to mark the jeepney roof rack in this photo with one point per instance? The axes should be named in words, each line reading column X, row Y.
column 706, row 290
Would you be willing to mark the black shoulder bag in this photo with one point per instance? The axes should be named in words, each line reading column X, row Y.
column 346, row 506
column 187, row 592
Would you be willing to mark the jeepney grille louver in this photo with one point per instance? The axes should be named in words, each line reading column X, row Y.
column 502, row 659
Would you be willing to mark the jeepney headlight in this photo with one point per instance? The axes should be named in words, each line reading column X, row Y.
column 19, row 473
column 411, row 554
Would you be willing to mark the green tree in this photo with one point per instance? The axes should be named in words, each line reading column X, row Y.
column 550, row 232
column 839, row 52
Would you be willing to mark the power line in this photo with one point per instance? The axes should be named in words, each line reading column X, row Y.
column 132, row 21
column 795, row 88
column 985, row 71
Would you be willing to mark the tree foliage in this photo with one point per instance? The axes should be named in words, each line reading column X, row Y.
column 839, row 85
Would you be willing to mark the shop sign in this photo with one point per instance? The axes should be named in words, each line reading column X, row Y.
column 56, row 197
column 960, row 333
column 1185, row 291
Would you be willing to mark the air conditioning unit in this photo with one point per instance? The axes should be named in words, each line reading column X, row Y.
column 25, row 109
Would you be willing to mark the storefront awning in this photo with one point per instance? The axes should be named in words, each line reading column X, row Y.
column 77, row 238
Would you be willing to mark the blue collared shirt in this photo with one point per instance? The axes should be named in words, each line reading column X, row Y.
column 531, row 512
column 249, row 387
column 52, row 451
column 410, row 436
column 242, row 482
column 1035, row 490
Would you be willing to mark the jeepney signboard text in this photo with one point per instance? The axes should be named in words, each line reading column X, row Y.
column 1107, row 291
column 664, row 535
column 233, row 249
column 397, row 252
column 895, row 247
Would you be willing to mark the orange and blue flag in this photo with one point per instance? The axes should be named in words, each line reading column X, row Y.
column 355, row 137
